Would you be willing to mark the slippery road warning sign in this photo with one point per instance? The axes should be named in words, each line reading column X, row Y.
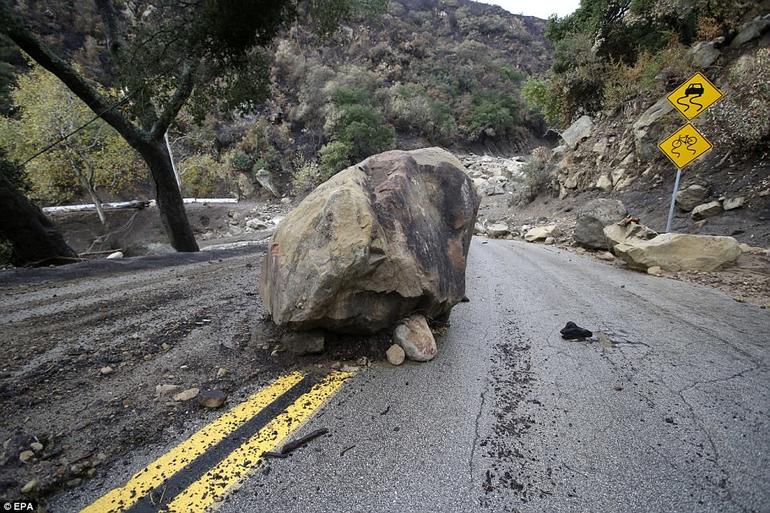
column 685, row 145
column 694, row 96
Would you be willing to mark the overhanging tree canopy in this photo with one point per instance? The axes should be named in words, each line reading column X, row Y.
column 162, row 54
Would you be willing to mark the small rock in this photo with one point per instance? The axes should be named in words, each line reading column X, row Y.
column 363, row 362
column 167, row 390
column 415, row 338
column 733, row 203
column 36, row 446
column 541, row 233
column 211, row 398
column 222, row 372
column 186, row 395
column 692, row 195
column 104, row 371
column 705, row 210
column 350, row 368
column 30, row 487
column 165, row 346
column 304, row 342
column 26, row 456
column 655, row 270
column 605, row 255
column 256, row 224
column 496, row 230
column 395, row 355
column 115, row 255
column 285, row 201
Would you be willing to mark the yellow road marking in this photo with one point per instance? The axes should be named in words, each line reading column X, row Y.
column 177, row 458
column 219, row 480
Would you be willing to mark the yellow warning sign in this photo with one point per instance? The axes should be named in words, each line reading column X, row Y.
column 694, row 96
column 685, row 145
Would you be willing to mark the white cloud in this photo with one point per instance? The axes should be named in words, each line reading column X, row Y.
column 541, row 9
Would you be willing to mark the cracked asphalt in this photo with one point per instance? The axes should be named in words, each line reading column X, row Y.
column 666, row 411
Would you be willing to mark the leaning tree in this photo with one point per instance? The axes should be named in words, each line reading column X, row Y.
column 164, row 54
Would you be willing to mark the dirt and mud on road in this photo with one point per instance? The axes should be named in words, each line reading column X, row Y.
column 86, row 345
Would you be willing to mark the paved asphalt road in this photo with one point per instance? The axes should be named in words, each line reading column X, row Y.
column 668, row 412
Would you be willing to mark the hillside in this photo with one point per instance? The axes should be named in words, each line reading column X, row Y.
column 423, row 72
column 426, row 72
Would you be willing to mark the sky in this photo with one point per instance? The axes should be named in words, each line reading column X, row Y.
column 540, row 8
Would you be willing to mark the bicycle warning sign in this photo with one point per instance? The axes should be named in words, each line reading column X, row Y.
column 694, row 96
column 685, row 145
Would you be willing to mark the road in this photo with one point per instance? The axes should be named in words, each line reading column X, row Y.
column 668, row 412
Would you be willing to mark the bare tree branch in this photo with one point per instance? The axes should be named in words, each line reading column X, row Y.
column 177, row 101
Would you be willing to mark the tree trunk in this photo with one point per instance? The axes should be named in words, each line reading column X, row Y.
column 169, row 198
column 94, row 197
column 34, row 237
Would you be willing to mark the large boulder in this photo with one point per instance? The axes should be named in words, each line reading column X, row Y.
column 751, row 30
column 691, row 196
column 704, row 54
column 680, row 252
column 593, row 218
column 621, row 232
column 380, row 240
column 577, row 131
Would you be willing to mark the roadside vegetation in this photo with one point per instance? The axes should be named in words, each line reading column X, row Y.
column 609, row 53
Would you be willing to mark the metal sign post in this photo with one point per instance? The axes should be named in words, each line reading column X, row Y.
column 673, row 201
column 687, row 144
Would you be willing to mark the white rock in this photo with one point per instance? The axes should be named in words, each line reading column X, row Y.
column 604, row 183
column 709, row 209
column 733, row 203
column 256, row 224
column 115, row 255
column 496, row 230
column 541, row 233
column 415, row 338
column 577, row 131
column 166, row 390
column 395, row 355
column 186, row 395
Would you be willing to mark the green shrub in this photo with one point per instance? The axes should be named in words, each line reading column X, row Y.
column 494, row 111
column 202, row 176
column 542, row 97
column 241, row 162
column 412, row 109
column 334, row 156
column 537, row 175
column 307, row 174
column 746, row 109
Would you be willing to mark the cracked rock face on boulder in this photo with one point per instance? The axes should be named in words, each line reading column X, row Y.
column 380, row 240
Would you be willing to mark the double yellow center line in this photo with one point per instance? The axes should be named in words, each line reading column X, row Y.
column 201, row 470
